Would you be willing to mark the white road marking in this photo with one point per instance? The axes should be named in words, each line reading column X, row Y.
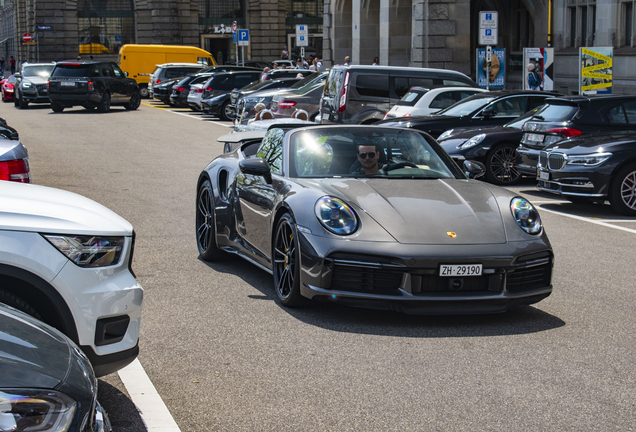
column 152, row 409
column 594, row 221
column 189, row 115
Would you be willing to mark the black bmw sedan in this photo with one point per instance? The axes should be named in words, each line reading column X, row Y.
column 493, row 146
column 570, row 116
column 486, row 109
column 46, row 383
column 592, row 167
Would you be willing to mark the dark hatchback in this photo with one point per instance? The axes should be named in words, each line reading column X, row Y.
column 486, row 109
column 592, row 167
column 91, row 84
column 216, row 92
column 163, row 90
column 47, row 383
column 570, row 116
column 257, row 86
column 493, row 146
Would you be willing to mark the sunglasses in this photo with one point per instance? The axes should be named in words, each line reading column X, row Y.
column 370, row 155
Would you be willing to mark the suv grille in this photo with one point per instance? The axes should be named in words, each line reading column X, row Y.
column 41, row 88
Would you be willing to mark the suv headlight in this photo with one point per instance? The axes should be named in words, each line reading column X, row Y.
column 88, row 251
column 473, row 141
column 26, row 84
column 336, row 216
column 526, row 216
column 588, row 159
column 35, row 410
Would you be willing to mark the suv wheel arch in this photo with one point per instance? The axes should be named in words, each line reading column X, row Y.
column 41, row 296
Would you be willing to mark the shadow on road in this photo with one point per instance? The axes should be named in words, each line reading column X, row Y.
column 348, row 319
column 122, row 412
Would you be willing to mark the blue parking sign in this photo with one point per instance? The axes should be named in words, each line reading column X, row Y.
column 243, row 37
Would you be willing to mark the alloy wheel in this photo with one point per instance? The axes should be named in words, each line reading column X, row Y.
column 285, row 259
column 628, row 190
column 205, row 220
column 503, row 166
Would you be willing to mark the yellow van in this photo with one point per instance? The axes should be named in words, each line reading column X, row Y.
column 141, row 60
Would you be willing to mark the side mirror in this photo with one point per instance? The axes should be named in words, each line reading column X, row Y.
column 488, row 112
column 257, row 167
column 474, row 169
column 125, row 73
column 17, row 75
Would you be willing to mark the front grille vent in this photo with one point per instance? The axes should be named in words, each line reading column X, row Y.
column 556, row 161
column 529, row 278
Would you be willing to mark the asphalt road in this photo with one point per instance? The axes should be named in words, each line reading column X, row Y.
column 226, row 356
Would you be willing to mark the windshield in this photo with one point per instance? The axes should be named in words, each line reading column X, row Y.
column 43, row 71
column 333, row 152
column 411, row 98
column 309, row 87
column 519, row 121
column 466, row 106
column 556, row 112
column 309, row 79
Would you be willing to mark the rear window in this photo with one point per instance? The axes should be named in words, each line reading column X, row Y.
column 454, row 83
column 557, row 112
column 411, row 98
column 373, row 85
column 334, row 83
column 403, row 84
column 73, row 71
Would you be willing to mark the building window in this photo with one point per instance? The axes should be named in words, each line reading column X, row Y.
column 582, row 23
column 213, row 13
column 105, row 25
column 628, row 24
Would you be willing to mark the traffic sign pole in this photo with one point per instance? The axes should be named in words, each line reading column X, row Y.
column 237, row 49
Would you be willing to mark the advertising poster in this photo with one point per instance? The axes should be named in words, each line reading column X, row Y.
column 595, row 75
column 538, row 68
column 497, row 78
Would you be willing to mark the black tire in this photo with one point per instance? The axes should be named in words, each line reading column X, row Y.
column 622, row 193
column 15, row 100
column 286, row 263
column 205, row 224
column 143, row 91
column 501, row 165
column 18, row 303
column 56, row 107
column 225, row 112
column 135, row 101
column 104, row 104
column 22, row 104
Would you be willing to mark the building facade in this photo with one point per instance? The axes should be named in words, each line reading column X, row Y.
column 421, row 33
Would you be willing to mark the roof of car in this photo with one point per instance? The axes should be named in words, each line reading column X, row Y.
column 74, row 62
column 389, row 68
column 170, row 65
column 586, row 98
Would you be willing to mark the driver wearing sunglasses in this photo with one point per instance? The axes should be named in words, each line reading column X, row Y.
column 368, row 156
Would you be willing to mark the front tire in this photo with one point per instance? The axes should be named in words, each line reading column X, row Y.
column 135, row 101
column 104, row 104
column 226, row 112
column 622, row 194
column 143, row 91
column 501, row 166
column 56, row 107
column 18, row 303
column 286, row 263
column 22, row 104
column 205, row 224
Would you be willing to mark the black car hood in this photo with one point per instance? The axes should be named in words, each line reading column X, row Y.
column 469, row 132
column 423, row 211
column 588, row 142
column 30, row 352
column 404, row 121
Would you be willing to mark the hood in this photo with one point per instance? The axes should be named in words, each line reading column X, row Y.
column 591, row 142
column 407, row 121
column 29, row 207
column 469, row 132
column 31, row 353
column 423, row 211
column 36, row 79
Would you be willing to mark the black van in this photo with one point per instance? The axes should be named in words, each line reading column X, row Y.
column 363, row 94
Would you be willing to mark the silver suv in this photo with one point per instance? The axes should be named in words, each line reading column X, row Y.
column 168, row 71
column 31, row 84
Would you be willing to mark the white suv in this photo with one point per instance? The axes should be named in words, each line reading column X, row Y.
column 65, row 259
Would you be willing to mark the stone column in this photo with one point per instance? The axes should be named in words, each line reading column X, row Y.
column 385, row 31
column 355, row 32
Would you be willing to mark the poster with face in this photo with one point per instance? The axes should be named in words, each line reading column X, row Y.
column 497, row 76
column 595, row 74
column 537, row 72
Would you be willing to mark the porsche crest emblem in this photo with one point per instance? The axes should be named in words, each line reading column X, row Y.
column 451, row 234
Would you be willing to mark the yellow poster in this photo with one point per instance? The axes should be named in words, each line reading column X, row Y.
column 595, row 75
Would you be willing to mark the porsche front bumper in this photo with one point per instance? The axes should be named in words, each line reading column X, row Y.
column 405, row 277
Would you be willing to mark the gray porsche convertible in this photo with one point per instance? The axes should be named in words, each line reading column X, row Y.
column 375, row 217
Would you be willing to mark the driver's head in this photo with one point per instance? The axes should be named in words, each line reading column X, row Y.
column 368, row 155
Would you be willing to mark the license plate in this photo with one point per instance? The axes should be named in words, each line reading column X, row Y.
column 543, row 175
column 460, row 270
column 535, row 137
column 68, row 83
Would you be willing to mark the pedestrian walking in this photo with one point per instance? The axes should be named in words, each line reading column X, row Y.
column 12, row 64
column 376, row 61
column 2, row 65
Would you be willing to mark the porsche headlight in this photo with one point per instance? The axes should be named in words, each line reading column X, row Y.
column 445, row 135
column 35, row 410
column 89, row 251
column 526, row 215
column 588, row 159
column 473, row 141
column 336, row 216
